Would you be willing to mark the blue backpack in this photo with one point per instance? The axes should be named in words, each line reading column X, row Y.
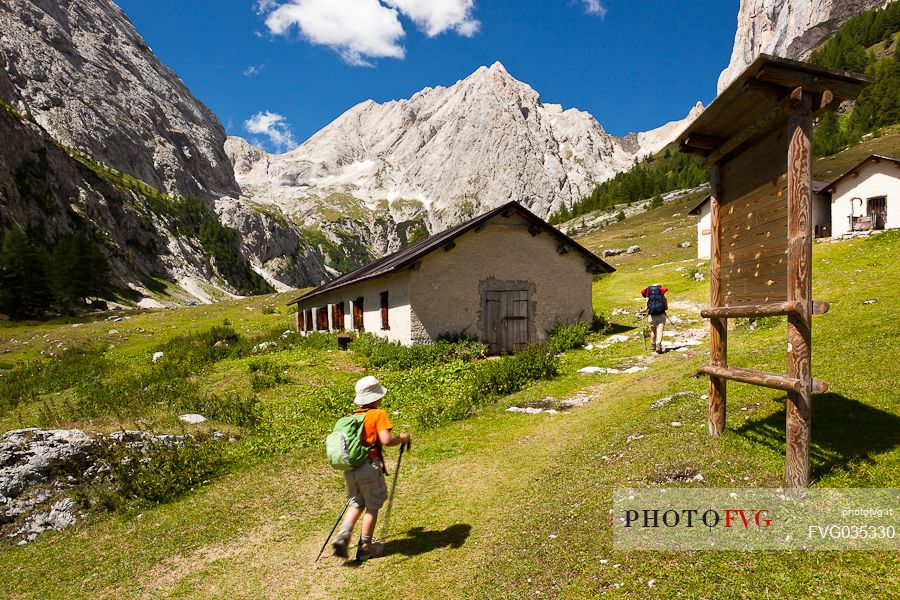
column 656, row 302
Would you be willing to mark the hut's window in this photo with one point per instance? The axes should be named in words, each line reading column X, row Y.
column 385, row 323
column 358, row 315
column 337, row 315
column 323, row 318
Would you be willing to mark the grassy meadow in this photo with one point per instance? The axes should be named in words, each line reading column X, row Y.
column 490, row 503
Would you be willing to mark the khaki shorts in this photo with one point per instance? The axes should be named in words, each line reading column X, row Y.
column 659, row 319
column 366, row 483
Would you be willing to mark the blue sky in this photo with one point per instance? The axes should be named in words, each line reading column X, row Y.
column 292, row 66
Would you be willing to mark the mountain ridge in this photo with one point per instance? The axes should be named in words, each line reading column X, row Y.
column 457, row 150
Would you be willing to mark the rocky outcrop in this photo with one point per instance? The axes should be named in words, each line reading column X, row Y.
column 89, row 116
column 788, row 28
column 452, row 151
column 41, row 471
column 36, row 465
column 83, row 73
column 273, row 245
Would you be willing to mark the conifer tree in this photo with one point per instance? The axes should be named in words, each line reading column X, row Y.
column 23, row 284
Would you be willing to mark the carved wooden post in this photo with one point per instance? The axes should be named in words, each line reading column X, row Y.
column 718, row 328
column 799, row 289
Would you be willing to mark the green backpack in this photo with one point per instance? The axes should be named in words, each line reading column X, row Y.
column 344, row 445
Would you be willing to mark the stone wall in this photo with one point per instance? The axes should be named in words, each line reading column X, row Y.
column 446, row 291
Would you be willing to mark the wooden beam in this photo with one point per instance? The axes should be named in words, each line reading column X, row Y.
column 415, row 266
column 825, row 100
column 703, row 142
column 756, row 86
column 820, row 307
column 762, row 125
column 771, row 309
column 507, row 212
column 563, row 249
column 799, row 289
column 534, row 230
column 770, row 380
column 790, row 78
column 718, row 328
column 449, row 246
column 693, row 150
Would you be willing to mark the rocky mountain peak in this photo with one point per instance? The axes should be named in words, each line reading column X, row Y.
column 787, row 28
column 452, row 151
column 82, row 71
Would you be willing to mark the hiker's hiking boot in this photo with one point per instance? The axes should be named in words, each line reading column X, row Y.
column 659, row 349
column 340, row 544
column 367, row 550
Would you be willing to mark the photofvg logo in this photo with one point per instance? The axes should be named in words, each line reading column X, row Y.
column 696, row 517
column 756, row 519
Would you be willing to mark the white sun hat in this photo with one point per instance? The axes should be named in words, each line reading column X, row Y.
column 369, row 390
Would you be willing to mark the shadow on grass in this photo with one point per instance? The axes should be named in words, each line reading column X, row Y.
column 844, row 431
column 615, row 328
column 418, row 541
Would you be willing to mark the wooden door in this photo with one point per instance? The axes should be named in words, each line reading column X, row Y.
column 506, row 320
column 877, row 209
column 337, row 316
column 358, row 311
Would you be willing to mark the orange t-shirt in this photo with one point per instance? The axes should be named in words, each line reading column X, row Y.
column 376, row 420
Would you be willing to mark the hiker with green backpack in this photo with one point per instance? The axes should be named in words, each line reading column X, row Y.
column 354, row 446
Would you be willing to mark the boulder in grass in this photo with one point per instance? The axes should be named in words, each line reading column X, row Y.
column 192, row 419
column 591, row 370
column 157, row 356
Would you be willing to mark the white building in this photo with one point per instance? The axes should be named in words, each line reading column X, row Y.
column 866, row 197
column 704, row 228
column 506, row 278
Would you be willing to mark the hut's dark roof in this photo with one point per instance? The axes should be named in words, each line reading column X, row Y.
column 406, row 257
column 872, row 157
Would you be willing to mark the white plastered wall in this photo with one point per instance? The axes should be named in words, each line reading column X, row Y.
column 397, row 287
column 874, row 179
column 704, row 232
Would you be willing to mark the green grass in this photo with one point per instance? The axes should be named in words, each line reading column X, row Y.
column 479, row 499
column 887, row 143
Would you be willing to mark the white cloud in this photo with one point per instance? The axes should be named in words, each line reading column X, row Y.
column 252, row 70
column 362, row 29
column 264, row 6
column 273, row 126
column 356, row 29
column 437, row 16
column 594, row 7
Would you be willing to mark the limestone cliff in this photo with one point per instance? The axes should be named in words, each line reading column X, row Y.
column 788, row 28
column 83, row 73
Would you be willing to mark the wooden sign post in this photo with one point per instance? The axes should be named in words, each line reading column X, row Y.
column 756, row 138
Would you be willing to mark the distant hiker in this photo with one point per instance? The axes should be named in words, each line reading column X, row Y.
column 656, row 308
column 366, row 487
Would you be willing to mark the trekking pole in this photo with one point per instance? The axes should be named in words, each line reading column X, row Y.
column 387, row 514
column 336, row 523
column 644, row 328
column 671, row 323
